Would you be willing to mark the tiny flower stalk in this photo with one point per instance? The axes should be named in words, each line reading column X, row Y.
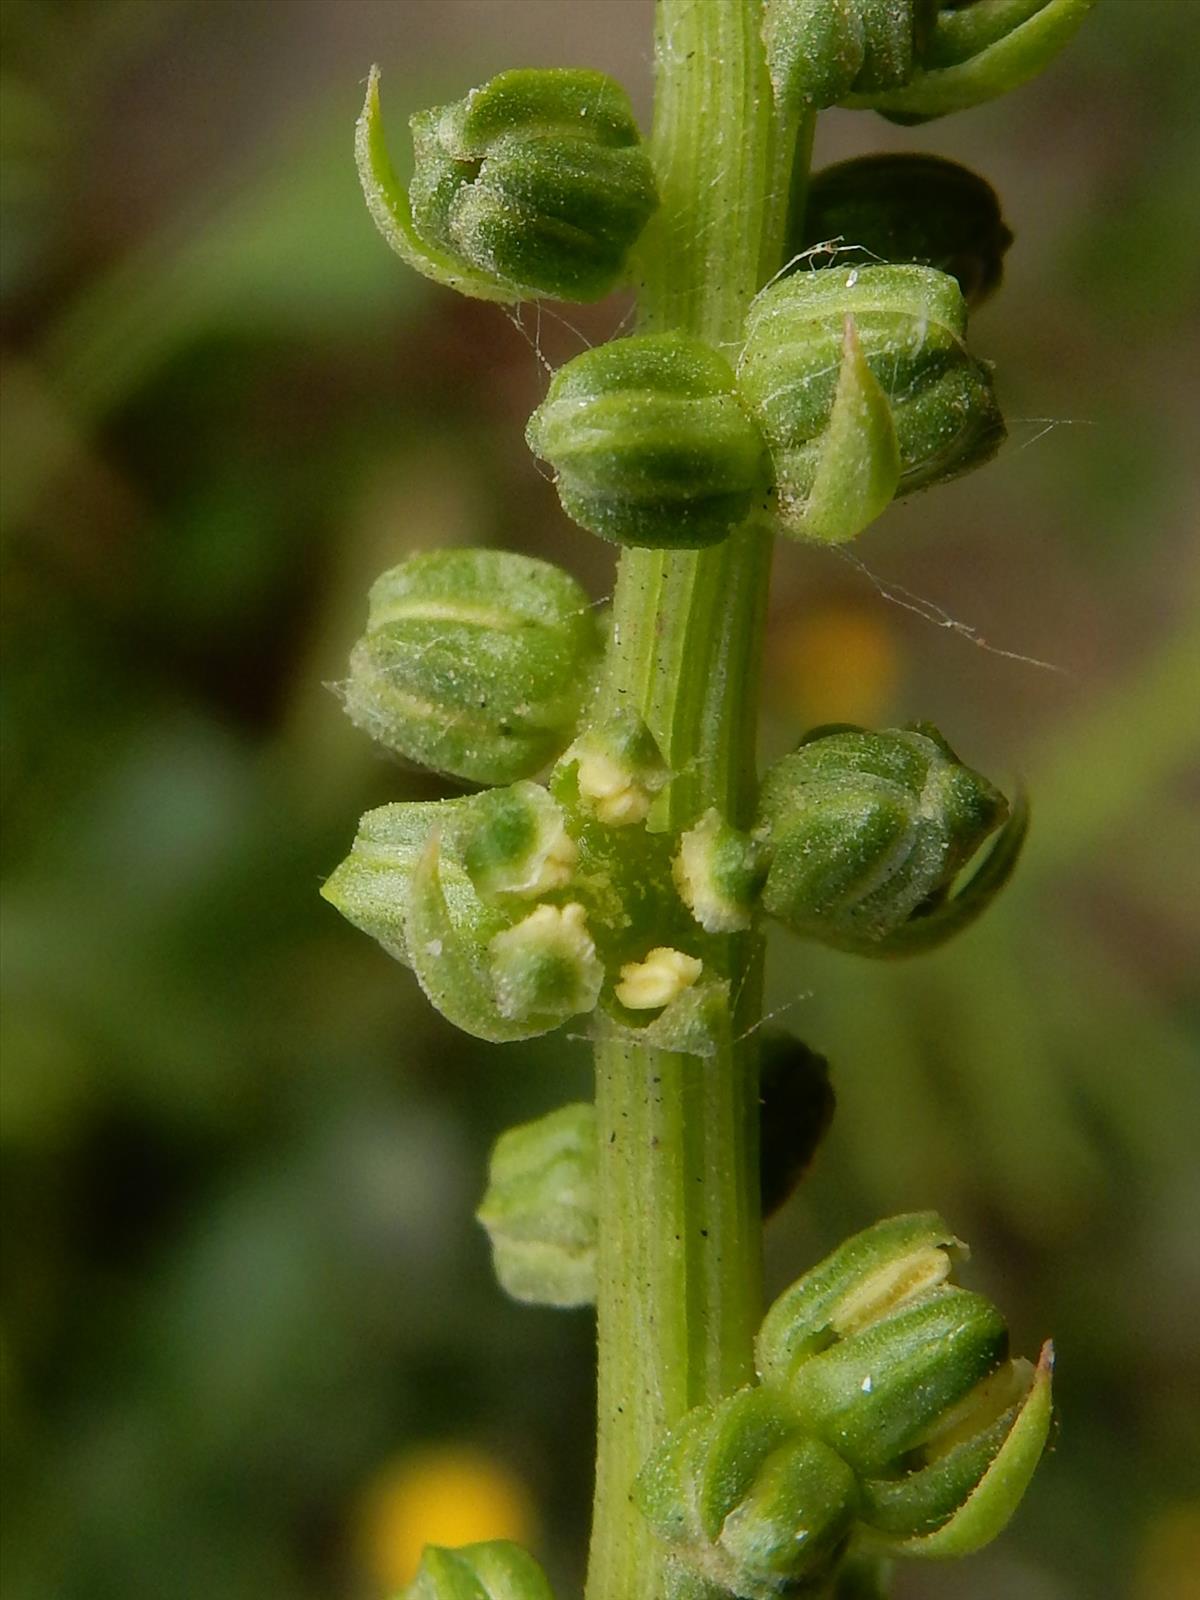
column 618, row 868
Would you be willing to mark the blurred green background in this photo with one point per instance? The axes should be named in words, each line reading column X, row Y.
column 251, row 1344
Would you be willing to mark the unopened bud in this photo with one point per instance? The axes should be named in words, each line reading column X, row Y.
column 540, row 1208
column 820, row 50
column 649, row 442
column 974, row 52
column 474, row 662
column 864, row 389
column 868, row 832
column 746, row 1499
column 535, row 184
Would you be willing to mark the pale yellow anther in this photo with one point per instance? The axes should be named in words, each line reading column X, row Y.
column 613, row 790
column 693, row 875
column 555, row 865
column 664, row 974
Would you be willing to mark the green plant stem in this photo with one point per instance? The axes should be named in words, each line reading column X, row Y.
column 679, row 1268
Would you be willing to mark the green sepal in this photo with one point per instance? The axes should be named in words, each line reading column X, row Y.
column 495, row 1570
column 869, row 1275
column 392, row 215
column 745, row 1499
column 819, row 50
column 453, row 968
column 859, row 467
column 649, row 442
column 873, row 1395
column 990, row 1506
column 539, row 1209
column 911, row 208
column 372, row 886
column 954, row 913
column 977, row 52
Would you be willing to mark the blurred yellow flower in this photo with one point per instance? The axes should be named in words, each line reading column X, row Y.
column 836, row 663
column 1170, row 1556
column 447, row 1495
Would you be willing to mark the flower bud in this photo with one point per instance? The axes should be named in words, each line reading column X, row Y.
column 474, row 662
column 496, row 1570
column 719, row 873
column 908, row 208
column 535, row 184
column 649, row 442
column 820, row 50
column 973, row 53
column 908, row 1378
column 867, row 833
column 746, row 1498
column 864, row 389
column 540, row 1208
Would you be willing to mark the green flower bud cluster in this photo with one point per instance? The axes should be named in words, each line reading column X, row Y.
column 535, row 184
column 912, row 59
column 888, row 1418
column 495, row 1570
column 539, row 1209
column 867, row 833
column 854, row 386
